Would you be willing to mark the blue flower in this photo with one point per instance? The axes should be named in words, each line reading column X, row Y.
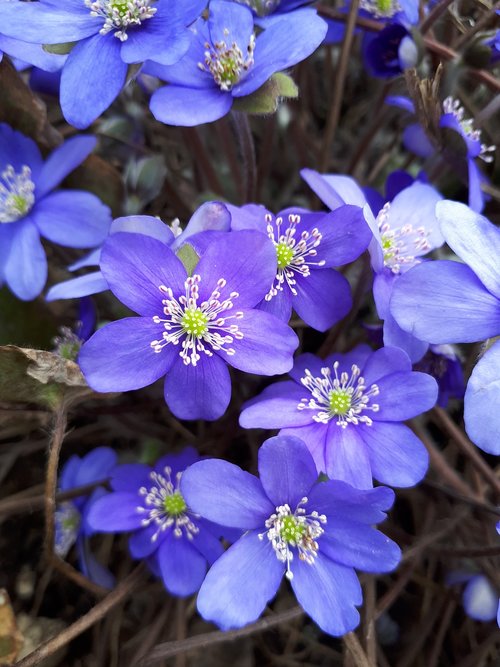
column 390, row 52
column 404, row 229
column 451, row 302
column 189, row 327
column 443, row 363
column 109, row 35
column 149, row 503
column 226, row 61
column 347, row 408
column 71, row 516
column 29, row 209
column 313, row 533
column 308, row 246
column 479, row 598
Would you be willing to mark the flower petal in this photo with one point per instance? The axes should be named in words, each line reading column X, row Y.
column 359, row 546
column 404, row 395
column 41, row 25
column 96, row 466
column 25, row 269
column 130, row 477
column 91, row 283
column 115, row 512
column 276, row 407
column 323, row 298
column 314, row 435
column 119, row 357
column 188, row 107
column 239, row 585
column 346, row 456
column 182, row 566
column 345, row 235
column 341, row 501
column 480, row 599
column 383, row 362
column 62, row 161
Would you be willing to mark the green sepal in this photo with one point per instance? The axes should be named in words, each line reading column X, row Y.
column 59, row 49
column 266, row 99
column 189, row 257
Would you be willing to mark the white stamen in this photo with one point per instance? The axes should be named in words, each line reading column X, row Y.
column 198, row 328
column 156, row 500
column 227, row 64
column 451, row 105
column 293, row 254
column 67, row 522
column 119, row 15
column 401, row 246
column 16, row 193
column 287, row 530
column 342, row 398
column 381, row 9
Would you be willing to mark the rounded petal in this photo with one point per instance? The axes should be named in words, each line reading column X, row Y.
column 144, row 224
column 329, row 192
column 280, row 305
column 444, row 302
column 416, row 206
column 267, row 345
column 119, row 357
column 347, row 457
column 142, row 543
column 96, row 466
column 41, row 25
column 91, row 283
column 130, row 477
column 182, row 566
column 188, row 107
column 91, row 79
column 198, row 392
column 480, row 599
column 72, row 218
column 328, row 593
column 62, row 161
column 135, row 266
column 341, row 501
column 323, row 298
column 314, row 435
column 25, row 269
column 345, row 235
column 276, row 407
column 474, row 239
column 482, row 398
column 404, row 395
column 115, row 512
column 225, row 494
column 240, row 583
column 383, row 362
column 397, row 457
column 286, row 469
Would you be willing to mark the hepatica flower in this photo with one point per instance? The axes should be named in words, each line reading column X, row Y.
column 450, row 302
column 189, row 327
column 348, row 409
column 307, row 246
column 313, row 533
column 71, row 516
column 226, row 61
column 109, row 35
column 148, row 503
column 29, row 208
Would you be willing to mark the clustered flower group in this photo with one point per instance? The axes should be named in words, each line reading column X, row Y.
column 223, row 297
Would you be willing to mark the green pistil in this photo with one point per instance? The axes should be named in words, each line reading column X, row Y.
column 20, row 205
column 120, row 6
column 284, row 255
column 291, row 530
column 340, row 402
column 71, row 522
column 384, row 6
column 194, row 322
column 175, row 505
column 387, row 248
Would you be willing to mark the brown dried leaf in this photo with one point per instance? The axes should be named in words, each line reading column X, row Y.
column 11, row 639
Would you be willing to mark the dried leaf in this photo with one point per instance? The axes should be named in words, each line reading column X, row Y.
column 11, row 639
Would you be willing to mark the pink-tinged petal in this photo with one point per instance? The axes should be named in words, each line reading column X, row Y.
column 267, row 345
column 347, row 457
column 119, row 357
column 135, row 266
column 328, row 593
column 115, row 512
column 182, row 566
column 225, row 494
column 286, row 469
column 397, row 457
column 404, row 395
column 240, row 584
column 474, row 239
column 198, row 392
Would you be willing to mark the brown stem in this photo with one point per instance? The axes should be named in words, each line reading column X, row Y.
column 354, row 647
column 60, row 421
column 482, row 23
column 432, row 16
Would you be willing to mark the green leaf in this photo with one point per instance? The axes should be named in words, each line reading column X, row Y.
column 189, row 257
column 266, row 99
column 59, row 49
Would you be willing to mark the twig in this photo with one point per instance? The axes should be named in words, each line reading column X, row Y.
column 482, row 23
column 60, row 421
column 353, row 645
column 438, row 9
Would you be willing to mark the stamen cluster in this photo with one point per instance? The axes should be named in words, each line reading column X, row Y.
column 17, row 193
column 227, row 64
column 451, row 105
column 399, row 244
column 197, row 325
column 291, row 253
column 287, row 530
column 164, row 506
column 342, row 398
column 381, row 9
column 121, row 14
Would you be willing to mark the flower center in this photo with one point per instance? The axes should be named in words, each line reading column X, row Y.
column 381, row 8
column 342, row 398
column 400, row 246
column 164, row 506
column 119, row 15
column 288, row 531
column 227, row 64
column 17, row 193
column 293, row 255
column 451, row 105
column 67, row 522
column 198, row 328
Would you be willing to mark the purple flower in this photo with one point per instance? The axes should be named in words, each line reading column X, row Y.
column 149, row 503
column 307, row 246
column 109, row 36
column 390, row 52
column 71, row 516
column 442, row 362
column 404, row 229
column 313, row 533
column 226, row 61
column 479, row 598
column 29, row 208
column 451, row 302
column 347, row 408
column 189, row 327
